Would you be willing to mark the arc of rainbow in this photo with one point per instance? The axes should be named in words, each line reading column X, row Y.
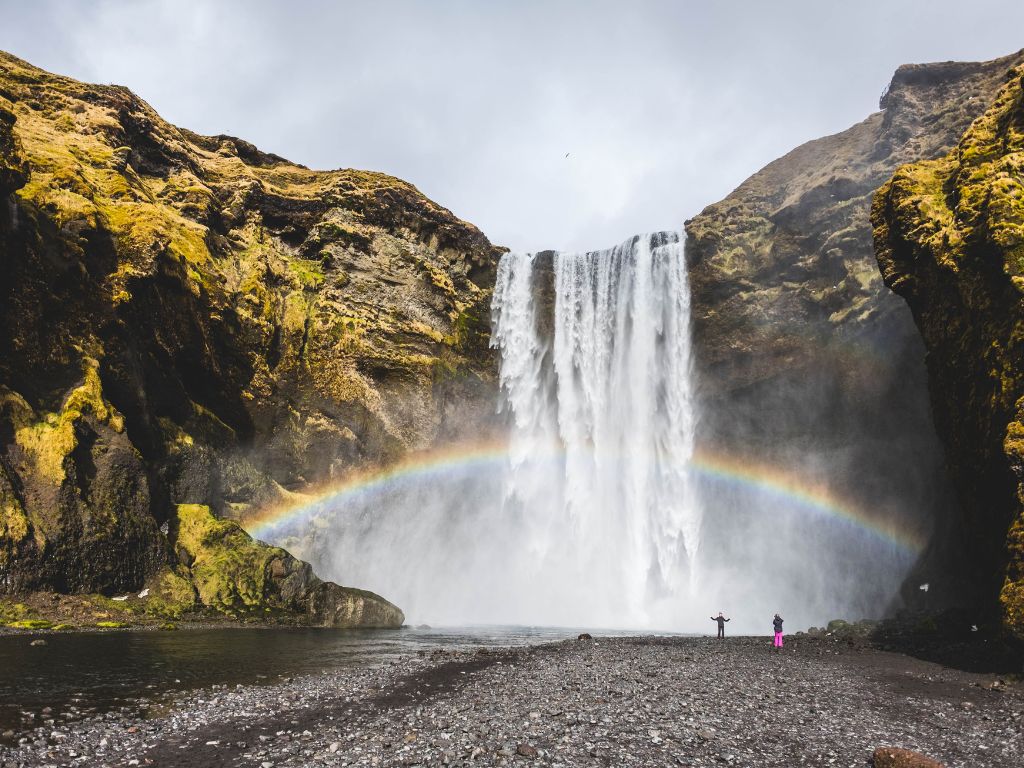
column 418, row 467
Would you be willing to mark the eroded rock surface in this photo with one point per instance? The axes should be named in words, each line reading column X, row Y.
column 805, row 358
column 188, row 320
column 949, row 234
column 613, row 701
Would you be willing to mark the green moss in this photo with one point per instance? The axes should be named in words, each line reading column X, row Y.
column 308, row 274
column 471, row 326
column 229, row 569
column 949, row 235
column 141, row 227
column 168, row 626
column 51, row 440
column 171, row 594
column 31, row 624
column 10, row 612
column 14, row 523
column 112, row 624
column 63, row 627
column 344, row 233
column 1011, row 597
column 130, row 606
column 438, row 277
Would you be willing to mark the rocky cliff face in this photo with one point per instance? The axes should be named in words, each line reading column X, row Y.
column 185, row 320
column 803, row 354
column 949, row 234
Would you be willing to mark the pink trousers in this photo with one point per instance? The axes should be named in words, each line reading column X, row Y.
column 778, row 639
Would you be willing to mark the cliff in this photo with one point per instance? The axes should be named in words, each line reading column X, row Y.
column 190, row 327
column 803, row 354
column 949, row 234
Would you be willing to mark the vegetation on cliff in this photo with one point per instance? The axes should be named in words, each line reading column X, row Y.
column 186, row 320
column 949, row 235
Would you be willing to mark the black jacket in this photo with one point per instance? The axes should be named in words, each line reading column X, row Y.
column 778, row 624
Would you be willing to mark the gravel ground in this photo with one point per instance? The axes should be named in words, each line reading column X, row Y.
column 622, row 701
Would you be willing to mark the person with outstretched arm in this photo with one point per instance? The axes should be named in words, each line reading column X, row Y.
column 777, row 622
column 721, row 624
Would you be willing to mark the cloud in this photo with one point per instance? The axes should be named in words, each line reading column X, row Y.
column 663, row 106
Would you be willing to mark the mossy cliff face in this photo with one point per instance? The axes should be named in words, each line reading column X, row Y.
column 243, row 578
column 803, row 355
column 187, row 320
column 949, row 235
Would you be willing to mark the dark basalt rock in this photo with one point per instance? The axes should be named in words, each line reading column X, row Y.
column 949, row 235
column 803, row 354
column 187, row 320
column 13, row 168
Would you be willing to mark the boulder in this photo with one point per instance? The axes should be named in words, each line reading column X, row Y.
column 894, row 757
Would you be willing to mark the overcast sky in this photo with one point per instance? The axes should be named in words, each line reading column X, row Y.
column 663, row 106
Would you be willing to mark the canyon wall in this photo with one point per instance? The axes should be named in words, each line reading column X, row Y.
column 187, row 323
column 805, row 358
column 949, row 235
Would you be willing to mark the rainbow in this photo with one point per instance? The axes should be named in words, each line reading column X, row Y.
column 806, row 494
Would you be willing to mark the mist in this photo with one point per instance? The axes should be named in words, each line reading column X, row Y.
column 599, row 509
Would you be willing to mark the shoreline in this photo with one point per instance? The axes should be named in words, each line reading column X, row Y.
column 611, row 701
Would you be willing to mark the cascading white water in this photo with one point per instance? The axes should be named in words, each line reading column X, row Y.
column 596, row 516
column 602, row 412
column 590, row 517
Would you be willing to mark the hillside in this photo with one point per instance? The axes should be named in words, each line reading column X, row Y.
column 188, row 323
column 803, row 354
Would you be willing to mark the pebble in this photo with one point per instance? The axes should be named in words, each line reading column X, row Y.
column 616, row 701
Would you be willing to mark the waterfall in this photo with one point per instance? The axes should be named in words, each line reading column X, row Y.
column 596, row 379
column 589, row 513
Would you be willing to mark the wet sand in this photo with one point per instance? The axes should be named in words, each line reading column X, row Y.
column 610, row 701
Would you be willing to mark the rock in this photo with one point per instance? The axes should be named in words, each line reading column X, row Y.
column 526, row 750
column 231, row 337
column 234, row 573
column 39, row 641
column 948, row 236
column 789, row 305
column 585, row 636
column 14, row 169
column 893, row 757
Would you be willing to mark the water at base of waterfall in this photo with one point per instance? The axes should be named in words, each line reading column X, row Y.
column 86, row 673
